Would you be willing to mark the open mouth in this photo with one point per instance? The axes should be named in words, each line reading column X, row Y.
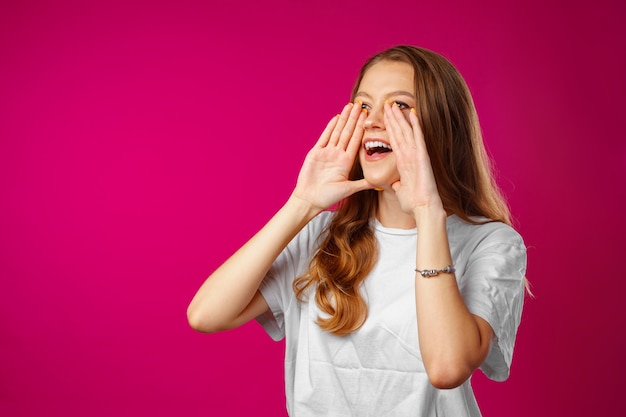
column 374, row 147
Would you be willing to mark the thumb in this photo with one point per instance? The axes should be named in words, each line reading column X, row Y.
column 359, row 185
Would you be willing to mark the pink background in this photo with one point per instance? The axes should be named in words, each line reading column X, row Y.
column 142, row 142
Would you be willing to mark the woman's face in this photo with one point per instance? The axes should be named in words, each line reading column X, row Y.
column 385, row 80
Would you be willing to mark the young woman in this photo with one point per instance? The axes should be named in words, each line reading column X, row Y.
column 390, row 302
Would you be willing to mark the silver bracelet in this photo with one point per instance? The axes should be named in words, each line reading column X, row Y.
column 427, row 273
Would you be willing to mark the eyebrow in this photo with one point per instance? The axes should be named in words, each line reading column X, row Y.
column 393, row 93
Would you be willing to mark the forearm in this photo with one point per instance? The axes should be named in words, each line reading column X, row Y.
column 450, row 338
column 221, row 301
column 226, row 293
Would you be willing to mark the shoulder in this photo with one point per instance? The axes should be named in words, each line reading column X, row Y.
column 485, row 233
column 318, row 225
column 321, row 221
column 310, row 236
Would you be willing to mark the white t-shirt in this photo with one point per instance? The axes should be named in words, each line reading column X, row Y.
column 378, row 371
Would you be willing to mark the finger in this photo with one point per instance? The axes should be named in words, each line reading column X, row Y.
column 359, row 185
column 357, row 136
column 325, row 136
column 403, row 122
column 350, row 126
column 392, row 120
column 341, row 122
column 393, row 130
column 418, row 133
column 403, row 125
column 406, row 128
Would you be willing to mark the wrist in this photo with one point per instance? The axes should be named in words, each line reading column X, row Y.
column 429, row 214
column 302, row 208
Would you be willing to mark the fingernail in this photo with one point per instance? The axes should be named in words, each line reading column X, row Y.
column 351, row 104
column 387, row 102
column 360, row 102
column 413, row 111
column 364, row 111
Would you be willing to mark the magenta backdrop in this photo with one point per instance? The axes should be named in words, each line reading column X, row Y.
column 142, row 142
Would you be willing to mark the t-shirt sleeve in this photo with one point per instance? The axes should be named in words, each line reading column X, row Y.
column 492, row 286
column 276, row 288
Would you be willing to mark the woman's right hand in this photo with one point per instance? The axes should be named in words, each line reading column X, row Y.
column 324, row 176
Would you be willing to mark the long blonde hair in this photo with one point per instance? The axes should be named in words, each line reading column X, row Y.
column 463, row 174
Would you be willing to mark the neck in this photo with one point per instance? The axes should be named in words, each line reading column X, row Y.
column 389, row 213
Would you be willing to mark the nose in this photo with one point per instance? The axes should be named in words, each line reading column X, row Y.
column 374, row 118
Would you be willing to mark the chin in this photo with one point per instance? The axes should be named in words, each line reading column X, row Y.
column 381, row 179
column 381, row 173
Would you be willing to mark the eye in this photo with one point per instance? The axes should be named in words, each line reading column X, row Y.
column 366, row 106
column 402, row 105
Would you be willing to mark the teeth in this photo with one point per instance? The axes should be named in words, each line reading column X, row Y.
column 376, row 144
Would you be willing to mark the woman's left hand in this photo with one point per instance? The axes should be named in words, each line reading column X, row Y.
column 416, row 190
